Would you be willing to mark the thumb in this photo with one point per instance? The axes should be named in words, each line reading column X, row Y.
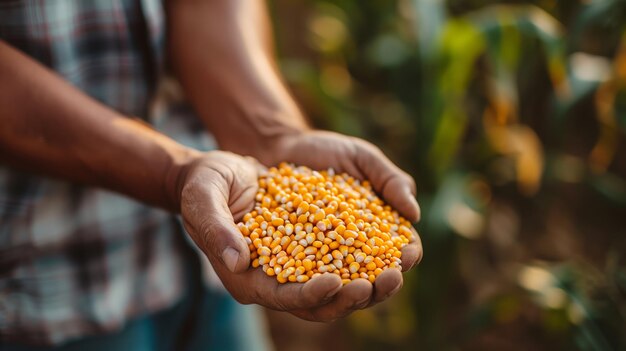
column 209, row 221
column 396, row 186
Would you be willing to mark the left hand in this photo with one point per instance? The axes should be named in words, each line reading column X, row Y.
column 361, row 159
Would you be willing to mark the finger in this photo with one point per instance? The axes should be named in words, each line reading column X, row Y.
column 260, row 168
column 243, row 188
column 386, row 285
column 268, row 292
column 208, row 219
column 313, row 293
column 412, row 254
column 353, row 296
column 396, row 186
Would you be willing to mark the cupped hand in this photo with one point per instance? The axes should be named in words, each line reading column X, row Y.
column 363, row 160
column 218, row 188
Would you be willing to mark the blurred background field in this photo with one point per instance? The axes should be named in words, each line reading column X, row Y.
column 511, row 116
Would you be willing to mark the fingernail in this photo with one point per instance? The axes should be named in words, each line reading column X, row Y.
column 394, row 291
column 415, row 205
column 230, row 257
column 333, row 292
column 363, row 303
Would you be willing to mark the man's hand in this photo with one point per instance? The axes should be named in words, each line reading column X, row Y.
column 265, row 122
column 361, row 159
column 219, row 187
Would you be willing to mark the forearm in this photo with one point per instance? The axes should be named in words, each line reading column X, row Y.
column 51, row 128
column 221, row 51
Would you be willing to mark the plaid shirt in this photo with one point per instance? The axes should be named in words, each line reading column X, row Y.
column 75, row 260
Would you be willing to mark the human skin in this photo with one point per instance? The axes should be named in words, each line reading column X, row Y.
column 222, row 54
column 58, row 131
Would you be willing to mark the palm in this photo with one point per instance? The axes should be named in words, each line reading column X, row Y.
column 321, row 150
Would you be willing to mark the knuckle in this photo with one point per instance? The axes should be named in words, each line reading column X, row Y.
column 207, row 230
column 280, row 304
column 363, row 143
column 314, row 316
column 410, row 181
column 420, row 256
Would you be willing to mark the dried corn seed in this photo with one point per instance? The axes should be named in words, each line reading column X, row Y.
column 306, row 223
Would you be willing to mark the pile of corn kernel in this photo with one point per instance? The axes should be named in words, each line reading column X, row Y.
column 306, row 223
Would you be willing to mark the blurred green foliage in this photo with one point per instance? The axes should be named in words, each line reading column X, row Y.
column 511, row 116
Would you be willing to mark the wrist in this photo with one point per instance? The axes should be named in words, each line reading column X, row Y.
column 265, row 134
column 274, row 148
column 176, row 176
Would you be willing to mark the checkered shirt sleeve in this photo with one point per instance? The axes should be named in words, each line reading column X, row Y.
column 75, row 260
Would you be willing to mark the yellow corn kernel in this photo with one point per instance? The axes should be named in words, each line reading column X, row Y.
column 324, row 249
column 277, row 221
column 375, row 250
column 297, row 250
column 310, row 238
column 327, row 258
column 360, row 257
column 257, row 243
column 302, row 218
column 340, row 229
column 319, row 215
column 264, row 251
column 290, row 263
column 307, row 264
column 264, row 260
column 350, row 258
column 292, row 245
column 323, row 225
column 293, row 218
column 362, row 237
column 299, row 270
column 277, row 249
column 337, row 255
column 266, row 241
column 306, row 223
column 354, row 267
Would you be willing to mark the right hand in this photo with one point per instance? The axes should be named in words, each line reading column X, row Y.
column 219, row 187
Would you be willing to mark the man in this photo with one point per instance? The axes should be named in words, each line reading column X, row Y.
column 80, row 267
